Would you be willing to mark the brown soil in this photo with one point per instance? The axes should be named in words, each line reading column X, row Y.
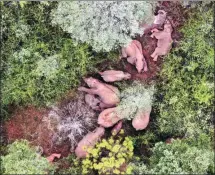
column 27, row 123
column 22, row 123
column 153, row 68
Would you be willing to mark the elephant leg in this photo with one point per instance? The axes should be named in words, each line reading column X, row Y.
column 145, row 67
column 155, row 57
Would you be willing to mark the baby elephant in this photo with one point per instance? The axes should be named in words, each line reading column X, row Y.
column 89, row 141
column 134, row 55
column 164, row 43
column 114, row 75
column 159, row 20
column 108, row 95
column 93, row 102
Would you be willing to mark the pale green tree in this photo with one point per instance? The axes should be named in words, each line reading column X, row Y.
column 104, row 25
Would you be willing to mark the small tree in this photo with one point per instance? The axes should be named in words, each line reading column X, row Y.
column 103, row 24
column 22, row 159
column 134, row 98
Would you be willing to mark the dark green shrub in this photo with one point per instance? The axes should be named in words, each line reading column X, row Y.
column 74, row 165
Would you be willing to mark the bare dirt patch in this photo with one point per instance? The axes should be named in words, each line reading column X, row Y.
column 27, row 123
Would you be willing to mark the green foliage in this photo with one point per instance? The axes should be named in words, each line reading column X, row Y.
column 139, row 168
column 109, row 156
column 194, row 4
column 187, row 78
column 145, row 139
column 104, row 25
column 180, row 157
column 22, row 159
column 40, row 62
column 74, row 165
column 134, row 98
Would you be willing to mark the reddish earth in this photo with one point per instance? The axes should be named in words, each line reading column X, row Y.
column 153, row 67
column 27, row 123
column 22, row 123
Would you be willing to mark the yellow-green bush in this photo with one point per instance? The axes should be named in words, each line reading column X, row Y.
column 110, row 156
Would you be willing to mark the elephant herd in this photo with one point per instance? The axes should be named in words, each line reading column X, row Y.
column 104, row 97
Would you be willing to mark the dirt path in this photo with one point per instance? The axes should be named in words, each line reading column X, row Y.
column 177, row 16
